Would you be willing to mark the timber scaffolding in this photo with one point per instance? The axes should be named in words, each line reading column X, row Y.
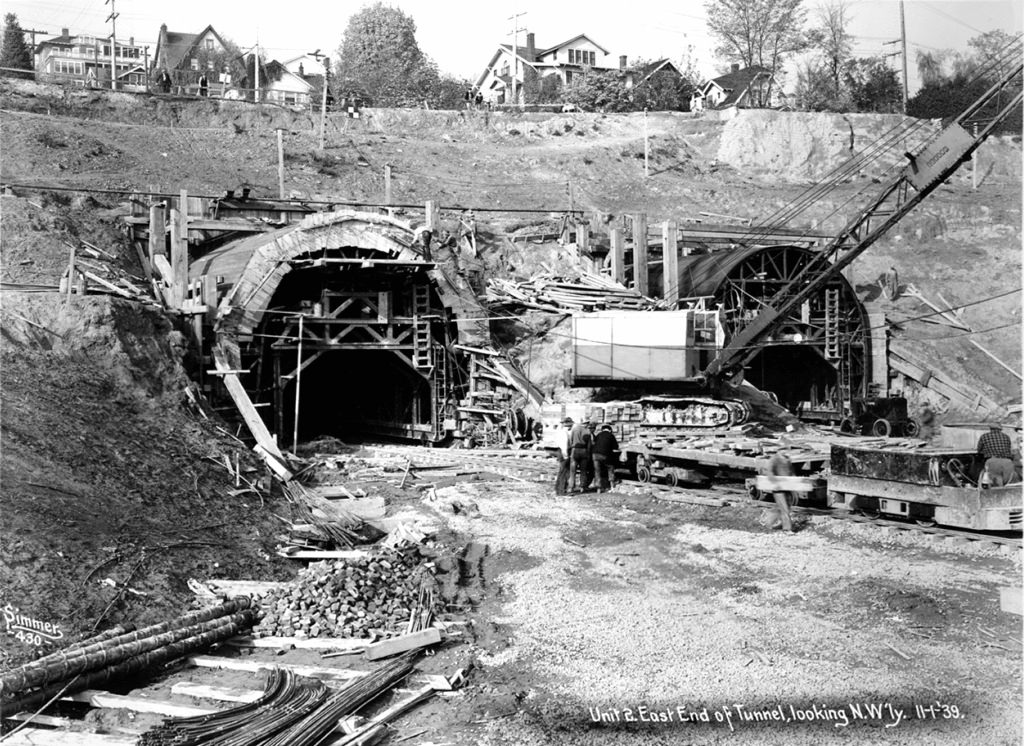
column 269, row 288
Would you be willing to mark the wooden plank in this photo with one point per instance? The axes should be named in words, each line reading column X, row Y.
column 313, row 554
column 163, row 267
column 36, row 737
column 157, row 238
column 1010, row 600
column 244, row 404
column 301, row 643
column 244, row 587
column 396, row 645
column 108, row 285
column 35, row 719
column 236, row 664
column 179, row 259
column 617, row 255
column 106, row 700
column 218, row 693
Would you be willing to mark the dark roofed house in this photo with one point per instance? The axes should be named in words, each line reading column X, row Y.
column 752, row 87
column 187, row 56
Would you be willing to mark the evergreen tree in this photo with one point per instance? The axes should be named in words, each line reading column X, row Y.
column 15, row 52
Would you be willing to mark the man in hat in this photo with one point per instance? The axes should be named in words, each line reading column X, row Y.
column 996, row 451
column 560, row 438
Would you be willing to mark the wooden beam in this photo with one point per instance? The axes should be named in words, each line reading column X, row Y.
column 244, row 404
column 179, row 259
column 352, row 644
column 157, row 240
column 37, row 737
column 235, row 664
column 217, row 693
column 106, row 700
column 396, row 645
column 640, row 278
column 617, row 255
column 432, row 217
column 670, row 261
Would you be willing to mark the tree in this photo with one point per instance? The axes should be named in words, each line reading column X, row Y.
column 15, row 53
column 600, row 91
column 836, row 42
column 661, row 91
column 380, row 57
column 757, row 32
column 873, row 85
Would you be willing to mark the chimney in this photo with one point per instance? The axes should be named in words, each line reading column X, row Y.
column 622, row 62
column 64, row 33
column 301, row 70
column 131, row 41
column 531, row 47
column 735, row 67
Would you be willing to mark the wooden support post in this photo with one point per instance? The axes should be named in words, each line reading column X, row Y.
column 617, row 253
column 387, row 186
column 432, row 218
column 669, row 262
column 278, row 399
column 280, row 169
column 71, row 271
column 210, row 298
column 157, row 239
column 179, row 258
column 298, row 388
column 583, row 246
column 384, row 307
column 640, row 253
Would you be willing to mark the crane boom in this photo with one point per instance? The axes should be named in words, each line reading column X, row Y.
column 934, row 162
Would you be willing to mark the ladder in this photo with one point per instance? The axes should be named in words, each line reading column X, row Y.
column 832, row 323
column 423, row 339
column 439, row 391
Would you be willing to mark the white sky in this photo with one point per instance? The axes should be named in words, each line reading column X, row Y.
column 461, row 35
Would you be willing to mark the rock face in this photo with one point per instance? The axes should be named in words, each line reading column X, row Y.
column 349, row 598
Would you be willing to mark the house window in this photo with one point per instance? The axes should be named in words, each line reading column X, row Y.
column 593, row 58
column 568, row 77
column 67, row 68
column 504, row 69
column 194, row 63
column 572, row 56
column 209, row 45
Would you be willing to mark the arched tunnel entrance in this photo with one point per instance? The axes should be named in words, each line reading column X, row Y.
column 773, row 370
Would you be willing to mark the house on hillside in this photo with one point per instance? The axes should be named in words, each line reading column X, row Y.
column 513, row 71
column 85, row 61
column 188, row 56
column 278, row 84
column 752, row 87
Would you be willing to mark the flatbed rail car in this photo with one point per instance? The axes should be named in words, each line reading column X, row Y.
column 674, row 464
column 927, row 485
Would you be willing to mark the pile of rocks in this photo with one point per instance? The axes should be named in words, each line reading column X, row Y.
column 367, row 597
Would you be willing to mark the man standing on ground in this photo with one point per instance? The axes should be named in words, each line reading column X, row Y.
column 580, row 442
column 780, row 466
column 605, row 451
column 560, row 438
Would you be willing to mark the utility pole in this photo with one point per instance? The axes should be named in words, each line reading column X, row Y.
column 33, row 32
column 113, row 44
column 647, row 147
column 323, row 102
column 256, row 67
column 515, row 55
column 903, row 40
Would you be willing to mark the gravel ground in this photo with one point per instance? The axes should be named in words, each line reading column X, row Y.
column 638, row 604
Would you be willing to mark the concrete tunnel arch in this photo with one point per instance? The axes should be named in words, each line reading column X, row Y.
column 380, row 320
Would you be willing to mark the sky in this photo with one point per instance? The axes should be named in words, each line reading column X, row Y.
column 462, row 35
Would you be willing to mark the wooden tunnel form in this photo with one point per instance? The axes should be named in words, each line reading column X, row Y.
column 339, row 323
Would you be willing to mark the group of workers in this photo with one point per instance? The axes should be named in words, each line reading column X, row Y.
column 585, row 454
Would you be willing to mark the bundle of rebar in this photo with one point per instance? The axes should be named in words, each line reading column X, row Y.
column 290, row 712
column 96, row 662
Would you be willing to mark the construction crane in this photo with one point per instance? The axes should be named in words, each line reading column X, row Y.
column 927, row 168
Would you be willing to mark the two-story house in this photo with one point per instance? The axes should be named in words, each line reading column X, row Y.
column 511, row 71
column 85, row 60
column 186, row 57
column 280, row 85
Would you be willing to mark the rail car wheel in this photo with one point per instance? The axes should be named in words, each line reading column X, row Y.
column 881, row 428
column 871, row 515
column 671, row 479
column 911, row 428
column 643, row 474
column 925, row 522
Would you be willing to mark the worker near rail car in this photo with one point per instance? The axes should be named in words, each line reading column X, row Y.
column 995, row 450
column 605, row 455
column 580, row 441
column 560, row 439
column 891, row 283
column 780, row 466
column 927, row 420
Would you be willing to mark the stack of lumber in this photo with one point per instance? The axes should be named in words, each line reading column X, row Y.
column 95, row 275
column 589, row 292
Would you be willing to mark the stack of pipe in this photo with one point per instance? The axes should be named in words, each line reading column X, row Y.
column 106, row 658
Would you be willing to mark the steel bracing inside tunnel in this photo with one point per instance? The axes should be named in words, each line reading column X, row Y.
column 342, row 325
column 818, row 359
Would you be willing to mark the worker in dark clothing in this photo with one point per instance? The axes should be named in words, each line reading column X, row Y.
column 605, row 455
column 927, row 420
column 204, row 85
column 996, row 451
column 580, row 442
column 560, row 437
column 781, row 466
